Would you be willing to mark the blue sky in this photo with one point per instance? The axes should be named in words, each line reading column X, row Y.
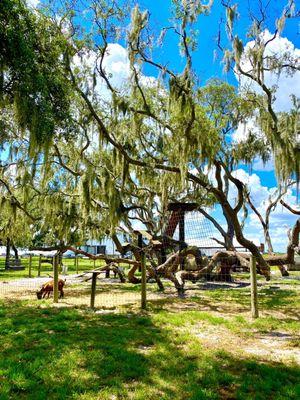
column 261, row 179
column 208, row 26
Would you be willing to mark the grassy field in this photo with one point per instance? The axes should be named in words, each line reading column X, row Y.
column 202, row 347
column 84, row 264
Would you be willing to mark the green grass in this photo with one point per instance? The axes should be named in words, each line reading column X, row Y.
column 72, row 353
column 46, row 268
column 169, row 352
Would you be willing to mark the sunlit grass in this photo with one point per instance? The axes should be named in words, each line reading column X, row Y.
column 181, row 348
column 75, row 353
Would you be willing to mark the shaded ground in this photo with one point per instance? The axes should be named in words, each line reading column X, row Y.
column 204, row 346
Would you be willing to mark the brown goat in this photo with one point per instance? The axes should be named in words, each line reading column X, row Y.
column 47, row 288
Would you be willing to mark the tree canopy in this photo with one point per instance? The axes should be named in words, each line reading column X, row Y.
column 99, row 152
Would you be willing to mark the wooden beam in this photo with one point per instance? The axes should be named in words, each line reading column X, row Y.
column 182, row 206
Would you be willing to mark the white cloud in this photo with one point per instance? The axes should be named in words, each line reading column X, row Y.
column 244, row 129
column 116, row 66
column 284, row 83
column 258, row 192
column 259, row 165
column 281, row 219
column 32, row 3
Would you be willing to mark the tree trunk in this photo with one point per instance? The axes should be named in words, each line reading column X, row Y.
column 15, row 250
column 230, row 234
column 131, row 274
column 232, row 215
column 7, row 255
column 268, row 241
column 293, row 242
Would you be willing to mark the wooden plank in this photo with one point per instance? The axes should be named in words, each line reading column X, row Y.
column 177, row 206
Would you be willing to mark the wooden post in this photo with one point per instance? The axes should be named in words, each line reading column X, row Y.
column 253, row 280
column 30, row 265
column 77, row 264
column 60, row 263
column 143, row 270
column 39, row 265
column 181, row 236
column 55, row 278
column 93, row 292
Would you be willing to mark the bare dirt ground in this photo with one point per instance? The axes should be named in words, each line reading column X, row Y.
column 110, row 293
column 273, row 346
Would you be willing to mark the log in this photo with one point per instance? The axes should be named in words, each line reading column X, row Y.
column 171, row 264
column 63, row 249
column 113, row 267
column 131, row 277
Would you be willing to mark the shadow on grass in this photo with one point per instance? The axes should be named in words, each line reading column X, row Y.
column 49, row 353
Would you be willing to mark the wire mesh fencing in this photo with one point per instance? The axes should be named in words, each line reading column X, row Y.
column 76, row 274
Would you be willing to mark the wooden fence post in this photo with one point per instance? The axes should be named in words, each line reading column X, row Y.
column 60, row 262
column 93, row 292
column 143, row 270
column 39, row 265
column 253, row 280
column 30, row 265
column 55, row 279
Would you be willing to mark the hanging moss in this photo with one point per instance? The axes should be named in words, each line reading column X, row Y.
column 31, row 58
